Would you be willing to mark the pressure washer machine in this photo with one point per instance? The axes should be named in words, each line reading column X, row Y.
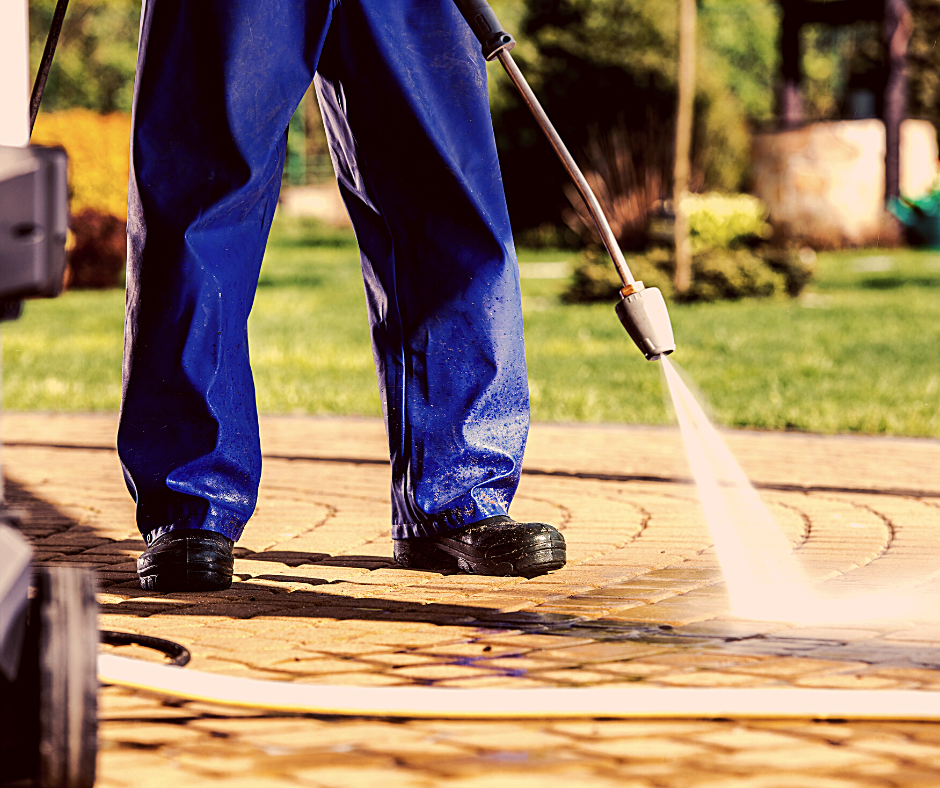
column 48, row 670
column 48, row 615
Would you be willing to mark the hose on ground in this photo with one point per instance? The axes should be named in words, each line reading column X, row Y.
column 178, row 655
column 488, row 703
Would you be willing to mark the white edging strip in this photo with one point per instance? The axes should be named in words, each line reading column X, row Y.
column 447, row 703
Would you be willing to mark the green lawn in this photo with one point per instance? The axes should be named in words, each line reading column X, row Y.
column 859, row 352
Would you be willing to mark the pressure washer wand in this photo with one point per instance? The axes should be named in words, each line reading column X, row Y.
column 642, row 310
column 587, row 194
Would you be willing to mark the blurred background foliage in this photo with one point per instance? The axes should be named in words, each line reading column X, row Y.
column 96, row 56
column 604, row 69
column 731, row 257
column 606, row 72
column 85, row 109
column 923, row 57
column 97, row 145
column 840, row 61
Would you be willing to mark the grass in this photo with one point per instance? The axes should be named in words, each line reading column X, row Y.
column 859, row 353
column 65, row 354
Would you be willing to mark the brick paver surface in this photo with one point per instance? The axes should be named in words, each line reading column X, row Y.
column 642, row 602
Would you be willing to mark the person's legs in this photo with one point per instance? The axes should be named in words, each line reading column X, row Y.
column 217, row 83
column 403, row 91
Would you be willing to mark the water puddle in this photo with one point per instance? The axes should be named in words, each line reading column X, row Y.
column 765, row 580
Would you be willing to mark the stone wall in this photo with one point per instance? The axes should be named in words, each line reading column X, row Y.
column 824, row 183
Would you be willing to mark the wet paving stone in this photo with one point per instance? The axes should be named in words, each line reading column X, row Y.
column 642, row 603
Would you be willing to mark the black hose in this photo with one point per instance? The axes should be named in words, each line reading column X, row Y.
column 45, row 64
column 179, row 655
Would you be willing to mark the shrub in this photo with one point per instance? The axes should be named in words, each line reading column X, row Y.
column 96, row 260
column 796, row 265
column 596, row 279
column 629, row 171
column 548, row 236
column 97, row 146
column 717, row 274
column 730, row 258
column 720, row 221
column 730, row 274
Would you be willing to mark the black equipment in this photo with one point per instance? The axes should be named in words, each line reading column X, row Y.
column 48, row 671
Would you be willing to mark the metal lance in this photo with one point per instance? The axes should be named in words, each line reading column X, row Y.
column 642, row 310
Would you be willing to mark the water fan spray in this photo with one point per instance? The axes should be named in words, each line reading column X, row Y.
column 764, row 578
column 642, row 310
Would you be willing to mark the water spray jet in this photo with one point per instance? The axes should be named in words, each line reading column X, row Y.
column 764, row 577
column 642, row 310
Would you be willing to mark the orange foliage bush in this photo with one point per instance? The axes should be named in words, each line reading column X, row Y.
column 97, row 146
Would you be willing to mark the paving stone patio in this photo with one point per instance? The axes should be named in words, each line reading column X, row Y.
column 642, row 602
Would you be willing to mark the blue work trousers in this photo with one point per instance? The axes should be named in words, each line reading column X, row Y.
column 402, row 89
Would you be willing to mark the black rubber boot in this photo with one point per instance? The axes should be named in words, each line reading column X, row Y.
column 496, row 546
column 187, row 560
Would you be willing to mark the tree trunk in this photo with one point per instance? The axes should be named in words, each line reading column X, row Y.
column 897, row 34
column 684, row 111
column 790, row 100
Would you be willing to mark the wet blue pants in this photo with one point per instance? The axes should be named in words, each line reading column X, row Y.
column 402, row 88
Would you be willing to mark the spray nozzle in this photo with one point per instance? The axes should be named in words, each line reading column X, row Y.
column 643, row 313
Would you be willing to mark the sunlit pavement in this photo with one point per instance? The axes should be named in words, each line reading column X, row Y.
column 641, row 603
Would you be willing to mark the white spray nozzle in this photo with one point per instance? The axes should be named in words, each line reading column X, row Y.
column 643, row 313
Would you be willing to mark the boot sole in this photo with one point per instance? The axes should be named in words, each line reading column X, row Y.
column 185, row 567
column 529, row 557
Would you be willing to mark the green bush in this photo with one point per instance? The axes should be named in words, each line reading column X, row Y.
column 717, row 274
column 96, row 56
column 730, row 258
column 547, row 236
column 730, row 274
column 796, row 265
column 596, row 279
column 720, row 221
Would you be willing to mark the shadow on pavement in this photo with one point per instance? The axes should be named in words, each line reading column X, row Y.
column 59, row 538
